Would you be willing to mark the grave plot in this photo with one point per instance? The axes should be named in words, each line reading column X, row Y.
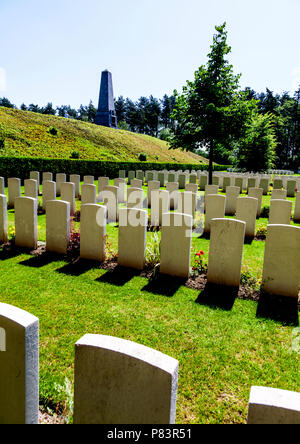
column 120, row 295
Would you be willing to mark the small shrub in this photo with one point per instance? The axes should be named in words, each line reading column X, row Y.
column 261, row 233
column 249, row 280
column 66, row 391
column 53, row 131
column 75, row 154
column 74, row 243
column 110, row 253
column 199, row 264
column 11, row 234
column 142, row 157
column 153, row 250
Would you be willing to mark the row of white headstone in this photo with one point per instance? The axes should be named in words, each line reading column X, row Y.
column 248, row 209
column 116, row 381
column 70, row 190
column 282, row 251
column 222, row 180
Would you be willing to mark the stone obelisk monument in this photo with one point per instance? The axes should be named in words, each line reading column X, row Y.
column 106, row 114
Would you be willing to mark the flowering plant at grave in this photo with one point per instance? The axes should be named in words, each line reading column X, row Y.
column 74, row 240
column 11, row 234
column 199, row 265
column 261, row 233
column 110, row 252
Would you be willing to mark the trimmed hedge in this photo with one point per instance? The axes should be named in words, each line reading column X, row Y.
column 21, row 166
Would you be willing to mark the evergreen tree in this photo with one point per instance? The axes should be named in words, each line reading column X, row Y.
column 142, row 115
column 152, row 116
column 6, row 103
column 34, row 108
column 120, row 107
column 131, row 115
column 91, row 112
column 48, row 109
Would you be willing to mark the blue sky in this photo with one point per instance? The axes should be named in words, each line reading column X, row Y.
column 55, row 50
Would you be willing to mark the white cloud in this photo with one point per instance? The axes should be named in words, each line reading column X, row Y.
column 2, row 80
column 295, row 78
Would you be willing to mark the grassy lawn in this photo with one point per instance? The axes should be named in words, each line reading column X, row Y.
column 221, row 353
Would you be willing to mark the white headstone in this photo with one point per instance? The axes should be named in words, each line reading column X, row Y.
column 121, row 382
column 19, row 366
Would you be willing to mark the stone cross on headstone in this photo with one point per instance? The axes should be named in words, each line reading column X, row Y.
column 106, row 114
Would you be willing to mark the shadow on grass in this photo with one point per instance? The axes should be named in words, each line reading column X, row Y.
column 278, row 308
column 164, row 285
column 10, row 253
column 205, row 235
column 248, row 240
column 218, row 296
column 78, row 268
column 119, row 276
column 41, row 260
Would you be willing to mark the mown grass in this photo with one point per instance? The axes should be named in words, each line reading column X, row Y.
column 27, row 134
column 221, row 353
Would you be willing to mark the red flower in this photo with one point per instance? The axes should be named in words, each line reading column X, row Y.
column 202, row 253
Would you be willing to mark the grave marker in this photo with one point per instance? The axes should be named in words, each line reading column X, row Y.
column 226, row 252
column 280, row 212
column 49, row 192
column 121, row 382
column 135, row 198
column 232, row 194
column 282, row 261
column 3, row 219
column 110, row 200
column 215, row 208
column 57, row 226
column 132, row 237
column 93, row 232
column 88, row 194
column 257, row 193
column 246, row 211
column 26, row 222
column 19, row 366
column 67, row 191
column 273, row 406
column 14, row 190
column 176, row 236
